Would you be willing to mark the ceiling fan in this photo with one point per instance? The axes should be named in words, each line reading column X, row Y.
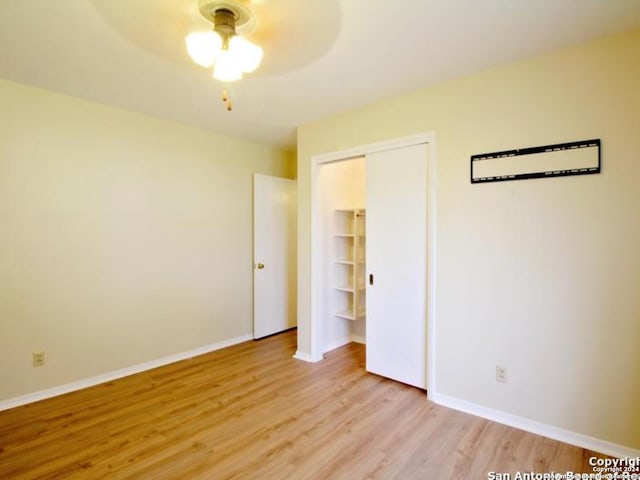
column 224, row 47
column 286, row 35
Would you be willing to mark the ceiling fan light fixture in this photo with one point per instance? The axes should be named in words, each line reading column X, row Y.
column 248, row 55
column 203, row 47
column 227, row 68
column 224, row 48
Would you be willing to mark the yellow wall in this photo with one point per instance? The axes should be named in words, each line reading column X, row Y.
column 124, row 238
column 540, row 276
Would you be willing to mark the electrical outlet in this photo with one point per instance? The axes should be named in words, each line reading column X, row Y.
column 38, row 359
column 501, row 374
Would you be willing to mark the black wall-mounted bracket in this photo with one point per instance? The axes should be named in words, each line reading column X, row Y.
column 558, row 160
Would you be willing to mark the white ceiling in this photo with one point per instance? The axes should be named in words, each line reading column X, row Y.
column 322, row 57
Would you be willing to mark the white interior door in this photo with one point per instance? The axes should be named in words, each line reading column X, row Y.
column 397, row 263
column 274, row 247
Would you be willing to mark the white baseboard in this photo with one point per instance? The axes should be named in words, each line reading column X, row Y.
column 337, row 344
column 332, row 346
column 305, row 357
column 124, row 372
column 522, row 423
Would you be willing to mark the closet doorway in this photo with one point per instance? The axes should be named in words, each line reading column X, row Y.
column 371, row 250
column 342, row 292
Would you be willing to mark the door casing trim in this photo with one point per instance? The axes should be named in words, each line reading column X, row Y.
column 317, row 161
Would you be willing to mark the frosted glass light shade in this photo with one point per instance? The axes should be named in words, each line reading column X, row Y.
column 227, row 67
column 247, row 55
column 231, row 60
column 203, row 47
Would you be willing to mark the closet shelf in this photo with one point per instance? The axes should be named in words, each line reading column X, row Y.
column 349, row 232
column 349, row 289
column 345, row 289
column 349, row 315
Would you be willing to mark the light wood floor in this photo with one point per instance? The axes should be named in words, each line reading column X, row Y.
column 251, row 411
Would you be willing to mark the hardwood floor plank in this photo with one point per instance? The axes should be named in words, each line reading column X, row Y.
column 252, row 411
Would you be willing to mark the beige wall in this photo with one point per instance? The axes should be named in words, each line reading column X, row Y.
column 124, row 238
column 540, row 276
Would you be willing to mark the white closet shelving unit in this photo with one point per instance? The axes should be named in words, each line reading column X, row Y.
column 350, row 263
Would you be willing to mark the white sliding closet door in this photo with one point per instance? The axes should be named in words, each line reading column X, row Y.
column 397, row 263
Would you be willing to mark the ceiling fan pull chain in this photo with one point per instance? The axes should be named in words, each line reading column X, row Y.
column 226, row 100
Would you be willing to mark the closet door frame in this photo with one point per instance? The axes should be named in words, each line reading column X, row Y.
column 316, row 251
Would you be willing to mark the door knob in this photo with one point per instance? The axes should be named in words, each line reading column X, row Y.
column 260, row 266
